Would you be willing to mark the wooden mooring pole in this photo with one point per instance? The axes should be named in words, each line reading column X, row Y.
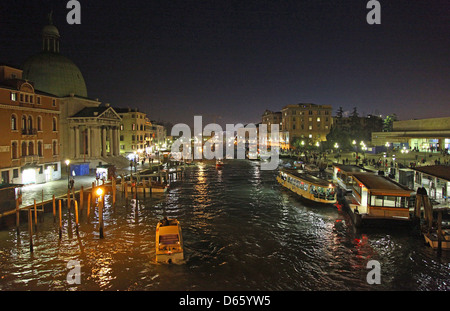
column 100, row 216
column 60, row 219
column 89, row 206
column 35, row 215
column 54, row 208
column 17, row 217
column 76, row 217
column 30, row 228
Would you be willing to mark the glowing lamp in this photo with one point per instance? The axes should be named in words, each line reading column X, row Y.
column 99, row 191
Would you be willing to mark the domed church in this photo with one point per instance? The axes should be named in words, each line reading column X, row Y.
column 89, row 131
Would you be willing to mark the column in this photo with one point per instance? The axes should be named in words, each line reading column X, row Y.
column 95, row 142
column 70, row 150
column 117, row 141
column 77, row 142
column 103, row 142
column 111, row 142
column 88, row 141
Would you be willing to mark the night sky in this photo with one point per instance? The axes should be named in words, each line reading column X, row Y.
column 230, row 60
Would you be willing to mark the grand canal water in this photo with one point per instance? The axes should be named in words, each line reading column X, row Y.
column 241, row 231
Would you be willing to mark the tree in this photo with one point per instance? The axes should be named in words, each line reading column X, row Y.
column 388, row 122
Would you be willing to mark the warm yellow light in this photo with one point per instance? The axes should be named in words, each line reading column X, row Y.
column 99, row 191
column 67, row 162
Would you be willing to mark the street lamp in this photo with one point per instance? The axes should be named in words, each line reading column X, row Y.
column 68, row 172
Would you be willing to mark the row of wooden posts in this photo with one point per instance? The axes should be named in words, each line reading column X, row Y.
column 70, row 197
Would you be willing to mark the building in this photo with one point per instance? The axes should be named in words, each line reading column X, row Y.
column 29, row 123
column 89, row 132
column 132, row 131
column 423, row 135
column 271, row 117
column 305, row 121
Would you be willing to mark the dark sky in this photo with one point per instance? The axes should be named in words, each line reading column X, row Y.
column 230, row 60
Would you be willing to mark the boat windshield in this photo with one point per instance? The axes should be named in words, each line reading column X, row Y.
column 168, row 239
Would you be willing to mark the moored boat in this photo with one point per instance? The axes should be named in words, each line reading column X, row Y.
column 307, row 186
column 219, row 164
column 169, row 241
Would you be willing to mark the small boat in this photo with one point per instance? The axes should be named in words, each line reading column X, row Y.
column 169, row 241
column 219, row 164
column 307, row 186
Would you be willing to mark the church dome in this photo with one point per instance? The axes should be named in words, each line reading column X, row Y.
column 55, row 74
column 52, row 72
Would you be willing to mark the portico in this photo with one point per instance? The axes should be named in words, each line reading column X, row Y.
column 94, row 134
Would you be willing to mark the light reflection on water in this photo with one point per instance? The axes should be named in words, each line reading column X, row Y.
column 241, row 231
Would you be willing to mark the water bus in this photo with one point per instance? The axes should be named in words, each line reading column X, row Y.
column 309, row 187
column 376, row 199
column 169, row 241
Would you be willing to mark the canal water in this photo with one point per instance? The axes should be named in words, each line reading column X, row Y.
column 241, row 231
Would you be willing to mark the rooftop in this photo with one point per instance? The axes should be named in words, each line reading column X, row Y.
column 381, row 185
column 439, row 171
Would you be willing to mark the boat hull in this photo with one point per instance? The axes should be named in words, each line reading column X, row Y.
column 308, row 197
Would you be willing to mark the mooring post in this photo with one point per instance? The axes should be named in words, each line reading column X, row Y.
column 76, row 216
column 89, row 206
column 35, row 215
column 68, row 199
column 60, row 219
column 100, row 216
column 81, row 198
column 54, row 208
column 17, row 217
column 439, row 231
column 30, row 228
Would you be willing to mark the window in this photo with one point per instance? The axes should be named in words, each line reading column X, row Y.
column 133, row 138
column 318, row 119
column 40, row 153
column 24, row 149
column 55, row 146
column 14, row 153
column 13, row 122
column 39, row 123
column 13, row 96
column 55, row 128
column 121, row 137
column 310, row 127
column 38, row 100
column 121, row 127
column 54, row 102
column 24, row 123
column 30, row 148
column 16, row 173
column 30, row 122
column 133, row 126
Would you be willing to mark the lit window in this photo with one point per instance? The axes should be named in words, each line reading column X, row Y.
column 318, row 119
column 13, row 96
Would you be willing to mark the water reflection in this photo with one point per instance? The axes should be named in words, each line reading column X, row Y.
column 241, row 231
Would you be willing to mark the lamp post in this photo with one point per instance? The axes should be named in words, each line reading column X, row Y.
column 68, row 172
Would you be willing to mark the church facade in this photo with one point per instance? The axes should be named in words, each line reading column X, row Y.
column 89, row 131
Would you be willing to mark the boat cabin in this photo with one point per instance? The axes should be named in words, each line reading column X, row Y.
column 308, row 186
column 342, row 175
column 379, row 197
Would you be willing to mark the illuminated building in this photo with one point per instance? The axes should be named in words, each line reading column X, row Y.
column 29, row 123
column 89, row 131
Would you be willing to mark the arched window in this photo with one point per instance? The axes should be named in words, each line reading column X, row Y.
column 24, row 149
column 30, row 123
column 24, row 123
column 14, row 150
column 55, row 128
column 13, row 122
column 30, row 148
column 39, row 123
column 40, row 153
column 55, row 151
